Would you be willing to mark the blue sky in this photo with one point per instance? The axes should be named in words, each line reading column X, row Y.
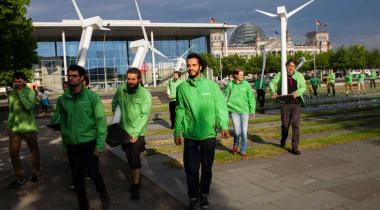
column 349, row 21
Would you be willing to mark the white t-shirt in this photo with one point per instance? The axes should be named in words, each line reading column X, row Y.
column 42, row 96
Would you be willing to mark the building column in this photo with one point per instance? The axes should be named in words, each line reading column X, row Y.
column 64, row 55
column 153, row 59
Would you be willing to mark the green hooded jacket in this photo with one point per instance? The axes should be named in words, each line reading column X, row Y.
column 82, row 118
column 171, row 89
column 360, row 77
column 348, row 78
column 275, row 85
column 240, row 98
column 331, row 78
column 315, row 81
column 373, row 74
column 135, row 108
column 201, row 109
column 21, row 118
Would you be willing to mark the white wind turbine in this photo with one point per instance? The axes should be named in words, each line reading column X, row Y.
column 141, row 47
column 88, row 25
column 181, row 60
column 283, row 16
column 265, row 54
column 303, row 61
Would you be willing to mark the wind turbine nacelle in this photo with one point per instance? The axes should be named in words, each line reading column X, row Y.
column 281, row 11
column 96, row 22
column 138, row 43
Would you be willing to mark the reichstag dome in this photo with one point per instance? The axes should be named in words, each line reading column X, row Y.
column 245, row 35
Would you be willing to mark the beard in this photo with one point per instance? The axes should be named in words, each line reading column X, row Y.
column 74, row 85
column 132, row 88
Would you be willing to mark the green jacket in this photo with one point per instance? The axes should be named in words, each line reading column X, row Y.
column 21, row 118
column 315, row 81
column 360, row 77
column 331, row 78
column 135, row 109
column 373, row 75
column 240, row 98
column 172, row 88
column 348, row 78
column 201, row 109
column 257, row 84
column 275, row 84
column 82, row 118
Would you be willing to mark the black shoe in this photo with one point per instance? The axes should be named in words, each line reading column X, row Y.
column 203, row 202
column 17, row 183
column 193, row 204
column 105, row 199
column 35, row 179
column 135, row 192
column 295, row 152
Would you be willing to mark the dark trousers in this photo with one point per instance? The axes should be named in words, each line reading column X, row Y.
column 290, row 115
column 372, row 82
column 261, row 97
column 172, row 106
column 315, row 88
column 15, row 140
column 332, row 86
column 82, row 159
column 198, row 154
column 133, row 151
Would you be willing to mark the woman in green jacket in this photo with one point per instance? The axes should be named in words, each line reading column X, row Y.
column 241, row 103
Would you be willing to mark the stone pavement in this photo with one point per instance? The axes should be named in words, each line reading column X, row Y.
column 343, row 176
column 52, row 191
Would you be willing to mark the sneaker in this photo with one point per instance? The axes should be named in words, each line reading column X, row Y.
column 244, row 156
column 105, row 200
column 35, row 178
column 17, row 183
column 135, row 192
column 193, row 204
column 203, row 203
column 234, row 150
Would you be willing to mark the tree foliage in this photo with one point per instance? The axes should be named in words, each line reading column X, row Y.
column 18, row 46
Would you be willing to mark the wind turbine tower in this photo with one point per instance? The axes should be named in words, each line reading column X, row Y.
column 88, row 25
column 283, row 16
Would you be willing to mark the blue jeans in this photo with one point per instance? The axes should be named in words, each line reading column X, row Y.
column 240, row 122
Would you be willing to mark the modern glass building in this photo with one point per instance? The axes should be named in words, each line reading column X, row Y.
column 109, row 55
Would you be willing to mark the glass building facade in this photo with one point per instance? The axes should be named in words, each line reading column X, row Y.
column 107, row 61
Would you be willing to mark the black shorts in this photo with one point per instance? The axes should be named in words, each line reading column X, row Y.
column 132, row 151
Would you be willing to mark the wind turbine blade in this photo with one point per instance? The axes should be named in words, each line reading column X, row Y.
column 266, row 13
column 78, row 11
column 158, row 52
column 298, row 9
column 104, row 29
column 186, row 51
column 141, row 22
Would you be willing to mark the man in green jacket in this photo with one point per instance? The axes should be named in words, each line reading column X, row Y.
column 348, row 80
column 135, row 104
column 315, row 83
column 361, row 79
column 83, row 131
column 201, row 109
column 172, row 92
column 22, row 125
column 372, row 78
column 290, row 110
column 331, row 82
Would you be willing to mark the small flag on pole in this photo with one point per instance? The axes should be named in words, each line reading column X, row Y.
column 318, row 22
column 276, row 32
column 213, row 20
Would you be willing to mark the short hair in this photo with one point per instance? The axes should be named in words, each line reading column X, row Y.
column 79, row 69
column 19, row 75
column 136, row 71
column 237, row 70
column 196, row 56
column 291, row 61
column 177, row 72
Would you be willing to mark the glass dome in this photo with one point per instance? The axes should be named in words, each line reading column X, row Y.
column 245, row 34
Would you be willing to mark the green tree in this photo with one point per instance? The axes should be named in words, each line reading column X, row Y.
column 373, row 58
column 18, row 47
column 356, row 57
column 339, row 60
column 323, row 60
column 230, row 63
